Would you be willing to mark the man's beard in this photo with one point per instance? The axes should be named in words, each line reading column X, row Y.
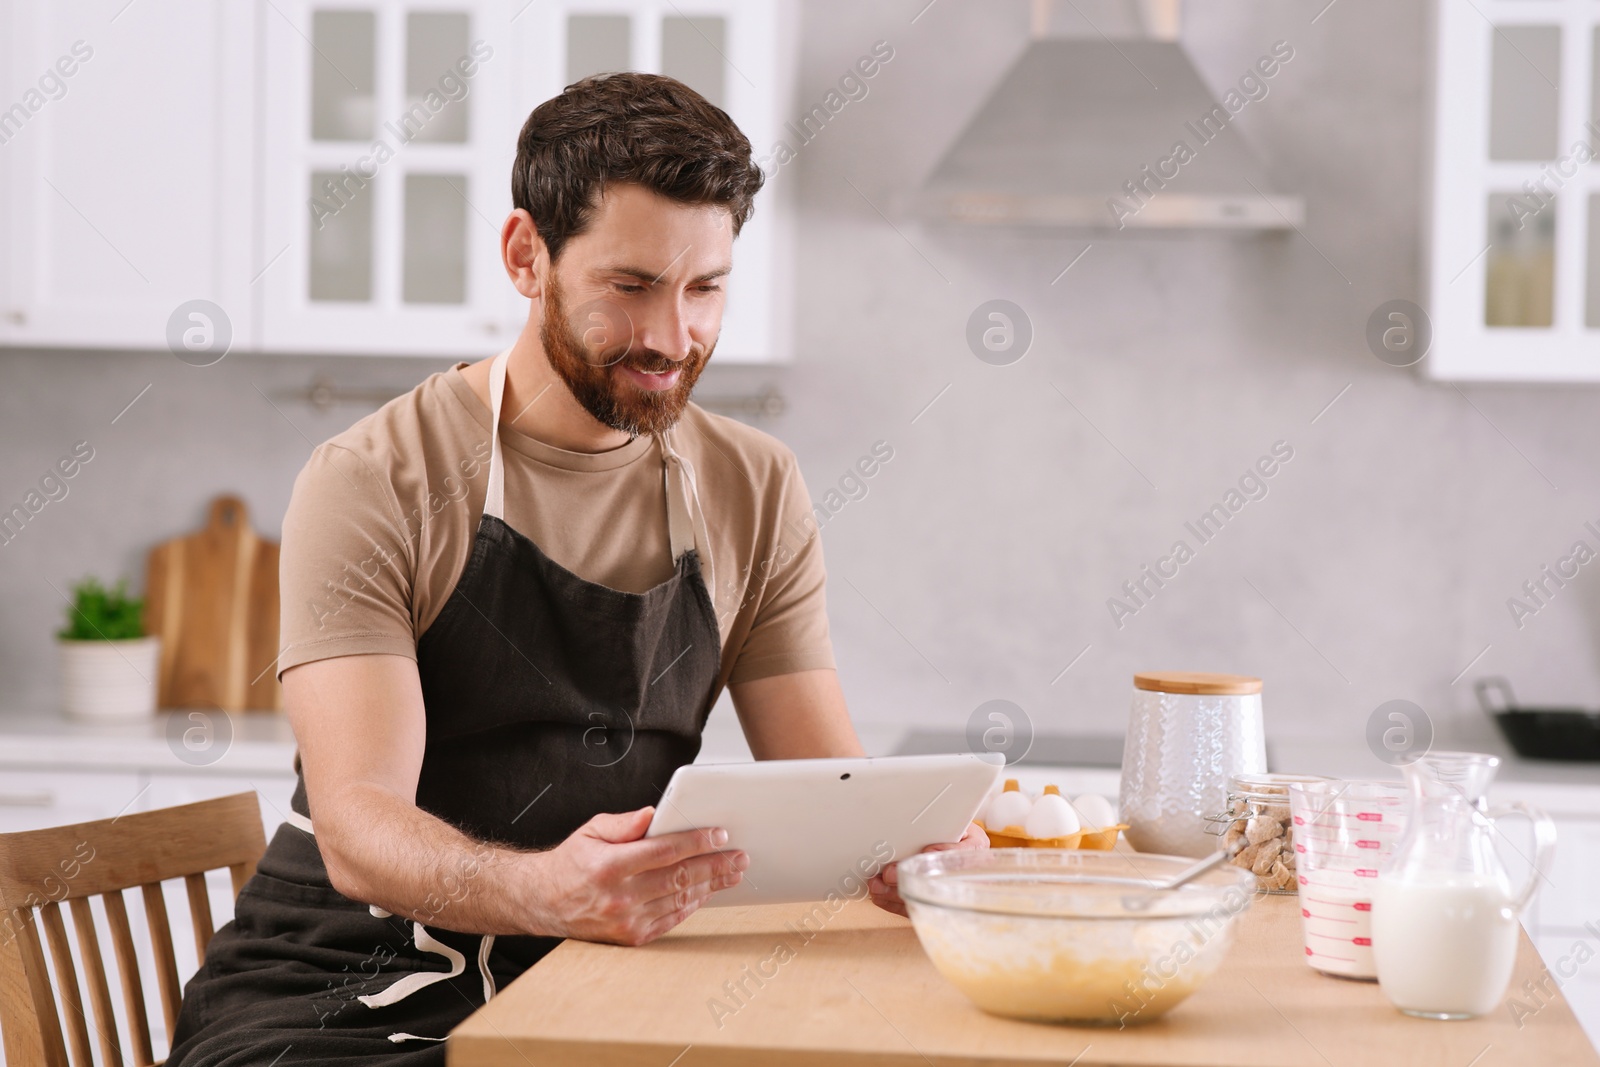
column 592, row 372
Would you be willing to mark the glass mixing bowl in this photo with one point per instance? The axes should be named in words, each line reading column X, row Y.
column 1063, row 935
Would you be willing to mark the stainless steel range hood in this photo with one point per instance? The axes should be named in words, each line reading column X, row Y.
column 1083, row 132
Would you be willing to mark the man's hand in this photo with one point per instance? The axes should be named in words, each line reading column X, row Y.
column 603, row 883
column 607, row 882
column 885, row 885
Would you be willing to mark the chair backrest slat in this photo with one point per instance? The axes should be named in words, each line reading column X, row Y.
column 41, row 868
column 199, row 913
column 128, row 971
column 155, row 913
column 55, row 933
column 241, row 873
column 94, row 973
column 26, row 982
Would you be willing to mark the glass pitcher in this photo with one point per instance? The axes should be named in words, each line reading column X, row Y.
column 1444, row 912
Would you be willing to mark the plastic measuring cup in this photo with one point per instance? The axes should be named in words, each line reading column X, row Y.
column 1342, row 831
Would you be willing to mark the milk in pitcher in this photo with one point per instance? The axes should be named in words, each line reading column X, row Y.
column 1444, row 913
column 1443, row 949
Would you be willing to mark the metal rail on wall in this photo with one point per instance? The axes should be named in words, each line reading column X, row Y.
column 323, row 394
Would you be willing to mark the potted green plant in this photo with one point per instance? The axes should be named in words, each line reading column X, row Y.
column 109, row 666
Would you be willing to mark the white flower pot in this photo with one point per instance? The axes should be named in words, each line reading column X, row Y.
column 109, row 680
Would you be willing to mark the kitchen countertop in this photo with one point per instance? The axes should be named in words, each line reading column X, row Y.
column 262, row 743
column 1319, row 756
column 257, row 742
column 859, row 990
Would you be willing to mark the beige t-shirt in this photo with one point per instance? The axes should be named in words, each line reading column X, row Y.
column 383, row 517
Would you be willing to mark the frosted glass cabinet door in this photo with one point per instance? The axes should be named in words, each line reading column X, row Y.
column 390, row 133
column 693, row 50
column 739, row 54
column 1514, row 253
column 389, row 146
column 343, row 75
column 597, row 43
column 127, row 150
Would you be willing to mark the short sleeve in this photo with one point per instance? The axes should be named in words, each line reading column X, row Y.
column 789, row 632
column 346, row 565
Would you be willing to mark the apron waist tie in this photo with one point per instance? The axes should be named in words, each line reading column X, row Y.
column 424, row 942
column 422, row 979
column 485, row 946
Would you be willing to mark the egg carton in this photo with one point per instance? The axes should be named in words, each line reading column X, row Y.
column 1103, row 838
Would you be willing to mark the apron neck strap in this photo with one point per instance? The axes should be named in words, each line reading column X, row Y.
column 683, row 531
column 683, row 506
column 494, row 502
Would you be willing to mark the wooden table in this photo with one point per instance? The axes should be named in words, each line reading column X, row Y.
column 861, row 991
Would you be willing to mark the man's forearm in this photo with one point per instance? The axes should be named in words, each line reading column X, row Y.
column 382, row 849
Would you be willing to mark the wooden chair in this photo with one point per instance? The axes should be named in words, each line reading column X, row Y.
column 39, row 869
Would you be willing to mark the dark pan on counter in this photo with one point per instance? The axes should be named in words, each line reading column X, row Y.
column 1568, row 734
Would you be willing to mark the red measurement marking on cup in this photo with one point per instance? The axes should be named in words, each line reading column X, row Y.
column 1362, row 941
column 1338, row 838
column 1362, row 905
column 1366, row 872
column 1327, row 918
column 1367, row 843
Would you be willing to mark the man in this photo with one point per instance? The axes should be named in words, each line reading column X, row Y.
column 501, row 630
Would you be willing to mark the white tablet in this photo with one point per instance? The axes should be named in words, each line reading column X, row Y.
column 818, row 826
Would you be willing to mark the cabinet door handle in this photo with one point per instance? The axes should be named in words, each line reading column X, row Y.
column 42, row 799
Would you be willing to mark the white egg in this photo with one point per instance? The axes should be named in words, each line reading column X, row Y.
column 1051, row 816
column 1006, row 809
column 1095, row 811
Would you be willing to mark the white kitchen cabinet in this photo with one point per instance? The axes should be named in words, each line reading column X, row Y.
column 127, row 149
column 736, row 54
column 1570, row 897
column 1566, row 899
column 1579, row 982
column 8, row 80
column 1513, row 242
column 33, row 800
column 333, row 174
column 382, row 216
column 389, row 139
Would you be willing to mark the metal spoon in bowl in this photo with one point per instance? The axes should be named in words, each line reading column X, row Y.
column 1143, row 900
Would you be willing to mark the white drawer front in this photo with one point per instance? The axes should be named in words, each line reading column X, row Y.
column 1579, row 982
column 32, row 800
column 1570, row 898
column 274, row 791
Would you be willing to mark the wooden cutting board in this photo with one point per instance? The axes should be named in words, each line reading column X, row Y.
column 212, row 597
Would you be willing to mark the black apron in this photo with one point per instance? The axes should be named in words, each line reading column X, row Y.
column 549, row 699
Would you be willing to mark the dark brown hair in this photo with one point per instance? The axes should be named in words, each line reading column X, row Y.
column 647, row 129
